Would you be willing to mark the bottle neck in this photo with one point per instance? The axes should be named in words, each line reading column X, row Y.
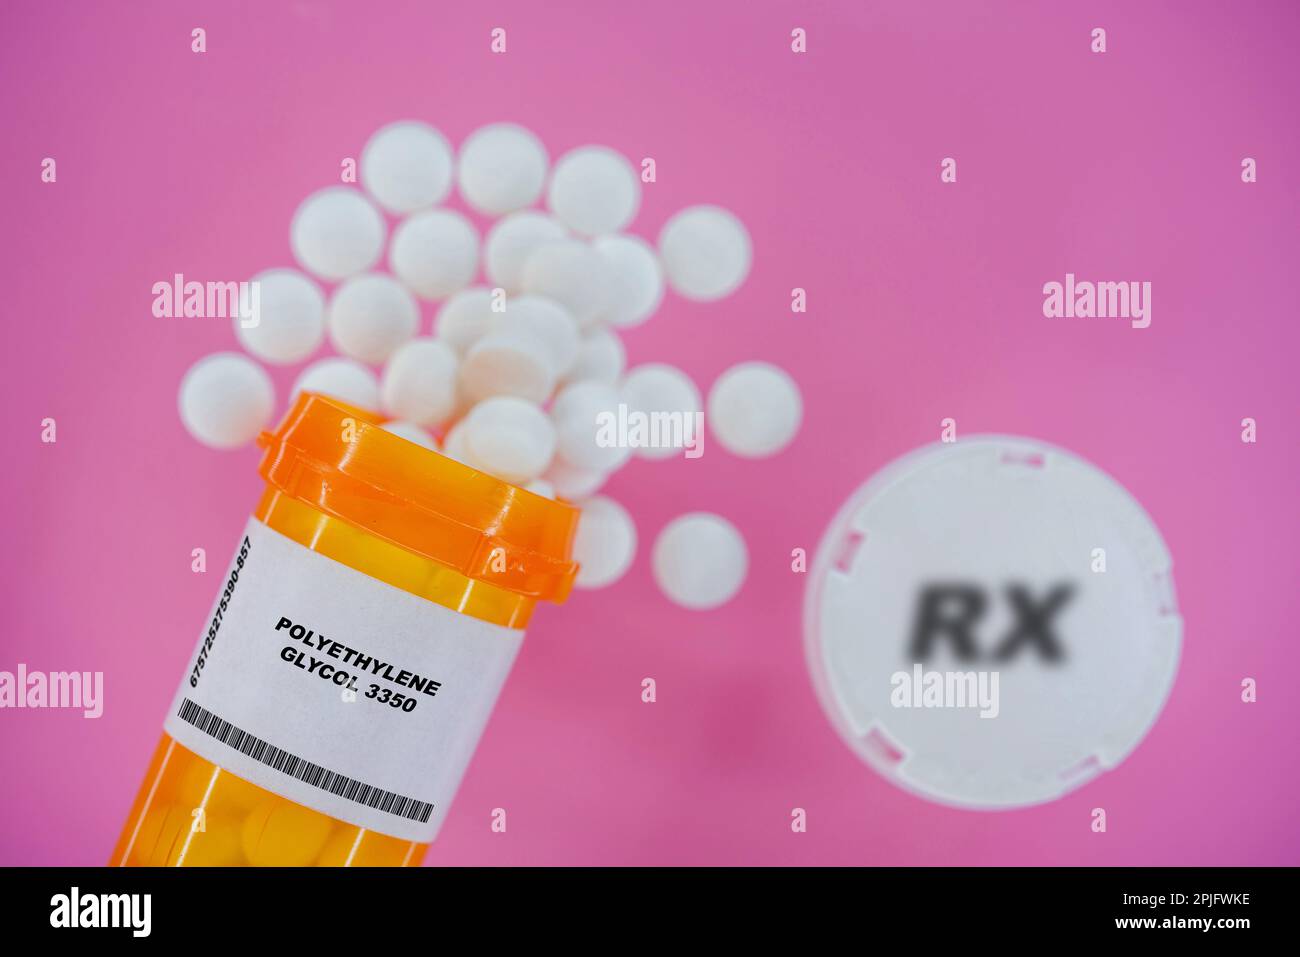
column 389, row 563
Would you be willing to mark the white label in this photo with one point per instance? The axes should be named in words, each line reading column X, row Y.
column 338, row 691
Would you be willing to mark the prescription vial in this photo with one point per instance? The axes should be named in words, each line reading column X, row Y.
column 376, row 601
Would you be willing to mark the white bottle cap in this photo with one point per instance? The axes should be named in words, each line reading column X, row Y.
column 992, row 556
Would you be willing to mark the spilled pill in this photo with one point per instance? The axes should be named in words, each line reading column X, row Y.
column 337, row 233
column 419, row 382
column 502, row 168
column 370, row 316
column 510, row 437
column 289, row 324
column 407, row 166
column 435, row 253
column 344, row 379
column 605, row 542
column 706, row 252
column 601, row 358
column 594, row 190
column 754, row 409
column 512, row 240
column 573, row 274
column 226, row 399
column 636, row 277
column 508, row 363
column 656, row 389
column 700, row 560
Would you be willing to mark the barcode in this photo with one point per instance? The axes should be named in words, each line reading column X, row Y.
column 337, row 784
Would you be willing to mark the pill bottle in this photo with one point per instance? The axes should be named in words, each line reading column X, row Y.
column 376, row 601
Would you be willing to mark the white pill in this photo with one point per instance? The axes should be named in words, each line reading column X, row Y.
column 507, row 364
column 454, row 447
column 337, row 233
column 511, row 241
column 636, row 277
column 344, row 379
column 601, row 358
column 290, row 317
column 412, row 433
column 706, row 252
column 547, row 321
column 586, row 427
column 502, row 168
column 226, row 399
column 700, row 560
column 370, row 316
column 573, row 274
column 512, row 438
column 571, row 482
column 594, row 190
column 465, row 318
column 754, row 409
column 419, row 382
column 666, row 394
column 435, row 253
column 605, row 542
column 407, row 166
column 541, row 487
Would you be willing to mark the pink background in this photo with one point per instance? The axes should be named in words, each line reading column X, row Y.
column 925, row 302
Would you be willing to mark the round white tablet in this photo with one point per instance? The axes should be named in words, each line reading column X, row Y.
column 338, row 378
column 573, row 274
column 407, row 166
column 226, row 399
column 594, row 190
column 412, row 433
column 601, row 358
column 290, row 319
column 670, row 404
column 435, row 253
column 700, row 560
column 370, row 316
column 991, row 623
column 545, row 320
column 510, row 242
column 541, row 487
column 454, row 447
column 502, row 168
column 705, row 251
column 337, row 233
column 571, row 482
column 604, row 544
column 507, row 364
column 586, row 427
column 754, row 409
column 512, row 438
column 636, row 277
column 419, row 382
column 465, row 318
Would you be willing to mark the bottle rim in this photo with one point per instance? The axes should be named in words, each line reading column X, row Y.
column 338, row 459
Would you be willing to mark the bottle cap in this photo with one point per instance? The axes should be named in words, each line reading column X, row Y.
column 337, row 459
column 990, row 623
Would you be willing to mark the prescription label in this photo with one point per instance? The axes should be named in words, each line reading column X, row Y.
column 338, row 691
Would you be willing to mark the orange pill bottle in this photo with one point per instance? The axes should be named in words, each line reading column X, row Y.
column 371, row 614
